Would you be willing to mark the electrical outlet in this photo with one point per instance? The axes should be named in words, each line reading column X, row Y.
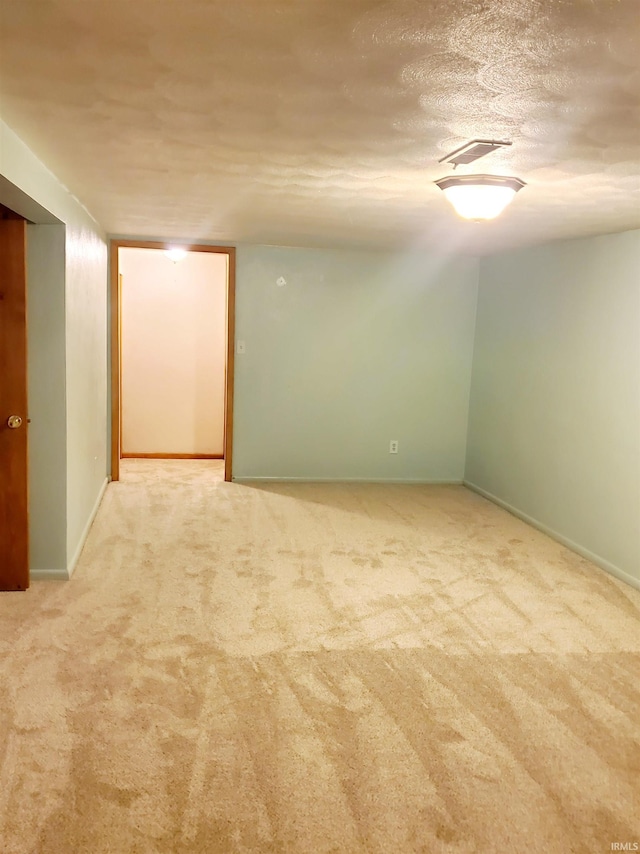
column 240, row 348
column 393, row 446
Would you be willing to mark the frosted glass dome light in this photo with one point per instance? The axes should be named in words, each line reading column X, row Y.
column 479, row 197
column 175, row 254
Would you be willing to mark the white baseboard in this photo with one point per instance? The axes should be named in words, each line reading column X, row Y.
column 575, row 547
column 407, row 480
column 87, row 528
column 48, row 575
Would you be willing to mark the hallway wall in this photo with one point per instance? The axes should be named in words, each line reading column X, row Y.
column 174, row 337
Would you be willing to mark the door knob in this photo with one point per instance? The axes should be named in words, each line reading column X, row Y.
column 14, row 421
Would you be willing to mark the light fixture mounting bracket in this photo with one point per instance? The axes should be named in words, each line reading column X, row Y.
column 473, row 150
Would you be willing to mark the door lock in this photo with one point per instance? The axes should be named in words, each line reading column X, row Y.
column 14, row 421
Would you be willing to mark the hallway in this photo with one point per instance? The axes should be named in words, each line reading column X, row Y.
column 310, row 668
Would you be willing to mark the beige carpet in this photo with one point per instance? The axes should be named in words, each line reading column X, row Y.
column 317, row 668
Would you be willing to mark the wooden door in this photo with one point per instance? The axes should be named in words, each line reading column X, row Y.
column 14, row 518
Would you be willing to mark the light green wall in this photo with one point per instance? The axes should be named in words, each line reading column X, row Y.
column 47, row 400
column 354, row 350
column 86, row 342
column 28, row 187
column 554, row 426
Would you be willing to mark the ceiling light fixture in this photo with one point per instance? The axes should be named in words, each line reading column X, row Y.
column 175, row 254
column 479, row 197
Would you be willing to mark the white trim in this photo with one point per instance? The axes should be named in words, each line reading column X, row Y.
column 87, row 527
column 48, row 575
column 407, row 480
column 575, row 547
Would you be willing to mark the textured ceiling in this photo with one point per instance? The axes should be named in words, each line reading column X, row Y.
column 320, row 122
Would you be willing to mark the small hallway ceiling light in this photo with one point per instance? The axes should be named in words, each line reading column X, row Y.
column 175, row 254
column 479, row 197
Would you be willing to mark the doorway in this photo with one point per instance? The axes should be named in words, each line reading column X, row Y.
column 172, row 334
